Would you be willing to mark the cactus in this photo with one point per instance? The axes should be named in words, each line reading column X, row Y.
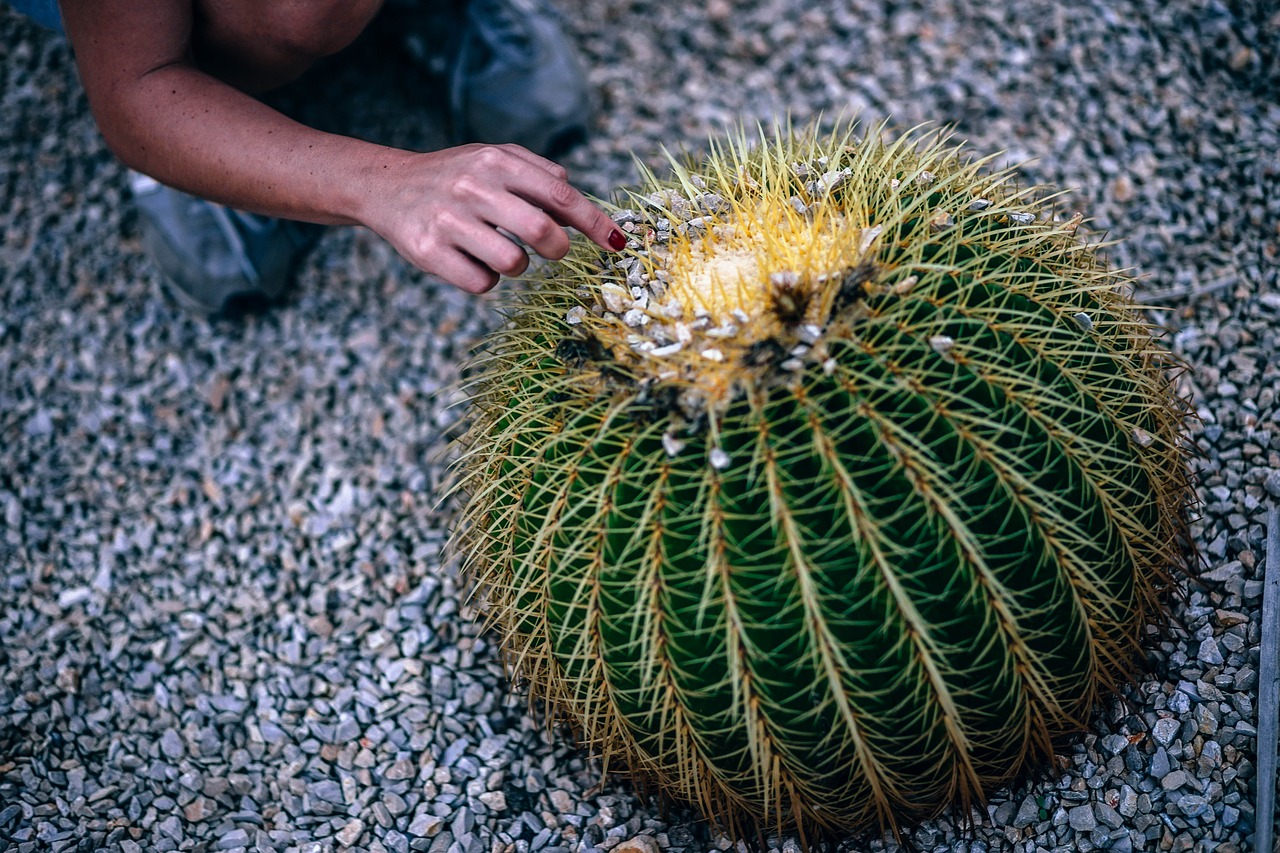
column 840, row 496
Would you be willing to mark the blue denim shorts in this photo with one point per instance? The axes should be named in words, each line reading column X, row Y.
column 43, row 12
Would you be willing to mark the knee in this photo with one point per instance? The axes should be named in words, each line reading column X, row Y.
column 258, row 46
column 308, row 30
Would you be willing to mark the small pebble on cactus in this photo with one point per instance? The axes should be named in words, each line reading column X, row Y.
column 839, row 496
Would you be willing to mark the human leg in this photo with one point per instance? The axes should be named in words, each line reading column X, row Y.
column 510, row 71
column 43, row 12
column 215, row 259
column 518, row 78
column 258, row 47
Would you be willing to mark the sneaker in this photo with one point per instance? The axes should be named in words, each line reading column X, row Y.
column 214, row 259
column 512, row 75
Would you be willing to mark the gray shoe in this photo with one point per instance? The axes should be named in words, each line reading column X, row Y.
column 512, row 75
column 214, row 259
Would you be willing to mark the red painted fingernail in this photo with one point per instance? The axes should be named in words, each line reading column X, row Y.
column 616, row 240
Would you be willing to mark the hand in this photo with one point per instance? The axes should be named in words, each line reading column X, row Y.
column 442, row 212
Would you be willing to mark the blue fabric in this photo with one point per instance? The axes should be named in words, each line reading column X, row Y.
column 43, row 12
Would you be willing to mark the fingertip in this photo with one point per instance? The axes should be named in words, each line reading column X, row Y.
column 485, row 284
column 520, row 267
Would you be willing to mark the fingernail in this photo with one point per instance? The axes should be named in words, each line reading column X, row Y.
column 616, row 240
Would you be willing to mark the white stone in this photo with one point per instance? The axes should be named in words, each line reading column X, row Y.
column 868, row 237
column 495, row 800
column 1165, row 730
column 905, row 286
column 615, row 298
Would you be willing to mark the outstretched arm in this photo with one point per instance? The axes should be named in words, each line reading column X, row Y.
column 165, row 116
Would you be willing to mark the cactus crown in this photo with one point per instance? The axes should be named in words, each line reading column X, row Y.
column 839, row 495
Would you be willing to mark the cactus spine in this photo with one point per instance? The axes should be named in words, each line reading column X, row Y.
column 839, row 496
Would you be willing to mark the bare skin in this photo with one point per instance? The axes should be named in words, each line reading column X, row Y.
column 171, row 85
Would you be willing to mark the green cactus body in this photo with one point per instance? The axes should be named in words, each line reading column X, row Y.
column 850, row 508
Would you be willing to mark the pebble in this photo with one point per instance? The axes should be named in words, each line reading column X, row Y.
column 1209, row 653
column 1115, row 744
column 327, row 790
column 350, row 833
column 495, row 800
column 1082, row 818
column 1160, row 763
column 1107, row 815
column 1165, row 730
column 638, row 844
column 233, row 839
column 425, row 825
column 171, row 744
column 1194, row 806
column 1028, row 812
column 1128, row 804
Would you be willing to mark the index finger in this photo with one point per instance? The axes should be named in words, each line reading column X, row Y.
column 551, row 167
column 567, row 206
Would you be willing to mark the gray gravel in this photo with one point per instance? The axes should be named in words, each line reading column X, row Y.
column 224, row 619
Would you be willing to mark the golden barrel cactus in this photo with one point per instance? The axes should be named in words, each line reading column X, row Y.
column 837, row 497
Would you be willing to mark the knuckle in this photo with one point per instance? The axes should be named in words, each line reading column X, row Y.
column 484, row 282
column 491, row 157
column 435, row 238
column 542, row 230
column 513, row 262
column 468, row 187
column 426, row 245
column 557, row 245
column 563, row 195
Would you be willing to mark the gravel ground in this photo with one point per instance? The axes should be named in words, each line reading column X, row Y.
column 225, row 622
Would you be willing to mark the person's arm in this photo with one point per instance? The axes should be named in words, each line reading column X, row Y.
column 163, row 116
